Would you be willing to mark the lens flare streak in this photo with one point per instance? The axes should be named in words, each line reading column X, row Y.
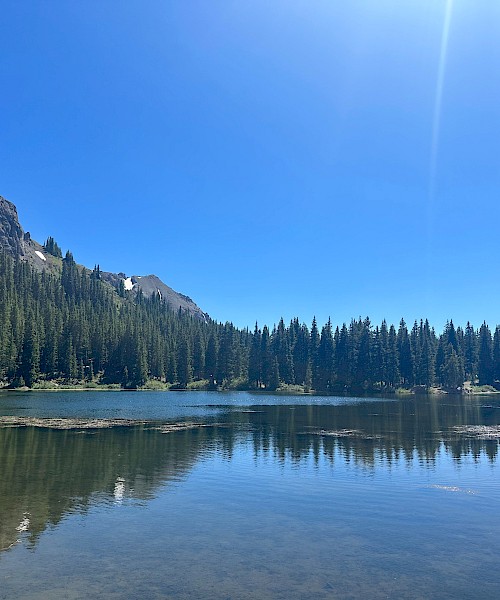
column 438, row 102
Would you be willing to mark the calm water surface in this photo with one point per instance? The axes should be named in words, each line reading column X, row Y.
column 274, row 497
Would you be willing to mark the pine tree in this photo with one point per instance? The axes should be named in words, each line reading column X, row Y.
column 198, row 356
column 325, row 360
column 254, row 360
column 342, row 362
column 470, row 353
column 274, row 380
column 51, row 247
column 283, row 353
column 452, row 375
column 184, row 364
column 30, row 360
column 363, row 358
column 485, row 358
column 300, row 353
column 427, row 364
column 266, row 357
column 314, row 340
column 211, row 358
column 405, row 356
column 496, row 354
column 393, row 374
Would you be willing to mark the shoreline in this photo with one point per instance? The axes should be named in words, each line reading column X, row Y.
column 401, row 393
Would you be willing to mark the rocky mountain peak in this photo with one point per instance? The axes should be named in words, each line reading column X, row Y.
column 18, row 244
column 11, row 233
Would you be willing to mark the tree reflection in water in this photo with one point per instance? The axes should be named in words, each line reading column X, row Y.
column 48, row 473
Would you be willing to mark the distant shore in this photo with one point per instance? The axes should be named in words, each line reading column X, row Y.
column 156, row 386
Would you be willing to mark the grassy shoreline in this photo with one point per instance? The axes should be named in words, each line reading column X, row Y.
column 157, row 386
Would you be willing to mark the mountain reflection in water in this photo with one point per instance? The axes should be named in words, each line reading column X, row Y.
column 48, row 473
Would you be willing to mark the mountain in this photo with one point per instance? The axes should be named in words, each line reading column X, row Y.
column 19, row 245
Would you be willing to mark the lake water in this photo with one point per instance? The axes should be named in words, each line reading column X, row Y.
column 264, row 497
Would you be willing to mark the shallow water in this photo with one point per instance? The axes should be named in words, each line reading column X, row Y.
column 276, row 497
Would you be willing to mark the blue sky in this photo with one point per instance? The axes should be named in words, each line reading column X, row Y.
column 266, row 158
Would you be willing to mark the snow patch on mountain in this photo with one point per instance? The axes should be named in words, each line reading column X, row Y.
column 40, row 255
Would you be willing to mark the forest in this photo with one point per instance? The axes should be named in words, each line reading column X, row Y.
column 73, row 328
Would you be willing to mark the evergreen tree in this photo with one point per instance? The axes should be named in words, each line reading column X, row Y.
column 254, row 360
column 363, row 358
column 184, row 364
column 51, row 247
column 427, row 363
column 324, row 376
column 393, row 374
column 405, row 356
column 73, row 326
column 198, row 356
column 452, row 375
column 274, row 380
column 314, row 340
column 485, row 358
column 300, row 353
column 211, row 358
column 342, row 363
column 266, row 357
column 30, row 360
column 470, row 353
column 283, row 353
column 496, row 354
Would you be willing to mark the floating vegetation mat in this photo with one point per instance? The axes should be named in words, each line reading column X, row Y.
column 172, row 427
column 345, row 433
column 482, row 432
column 79, row 424
column 50, row 423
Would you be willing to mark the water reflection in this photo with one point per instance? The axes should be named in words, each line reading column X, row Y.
column 369, row 431
column 48, row 473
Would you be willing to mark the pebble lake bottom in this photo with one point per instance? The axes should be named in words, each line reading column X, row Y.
column 238, row 496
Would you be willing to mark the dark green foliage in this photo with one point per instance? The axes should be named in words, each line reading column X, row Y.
column 211, row 357
column 274, row 380
column 342, row 362
column 281, row 350
column 254, row 359
column 75, row 327
column 496, row 354
column 470, row 353
column 29, row 368
column 405, row 355
column 300, row 353
column 392, row 377
column 52, row 247
column 485, row 364
column 323, row 373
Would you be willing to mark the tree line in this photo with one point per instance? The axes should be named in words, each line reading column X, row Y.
column 74, row 327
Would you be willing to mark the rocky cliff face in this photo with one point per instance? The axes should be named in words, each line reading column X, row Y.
column 11, row 233
column 18, row 244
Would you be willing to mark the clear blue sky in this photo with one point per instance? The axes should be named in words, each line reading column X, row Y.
column 266, row 158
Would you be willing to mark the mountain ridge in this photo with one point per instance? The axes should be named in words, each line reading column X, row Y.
column 17, row 242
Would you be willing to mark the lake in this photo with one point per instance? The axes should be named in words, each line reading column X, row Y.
column 238, row 495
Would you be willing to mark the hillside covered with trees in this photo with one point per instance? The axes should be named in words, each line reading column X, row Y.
column 74, row 328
